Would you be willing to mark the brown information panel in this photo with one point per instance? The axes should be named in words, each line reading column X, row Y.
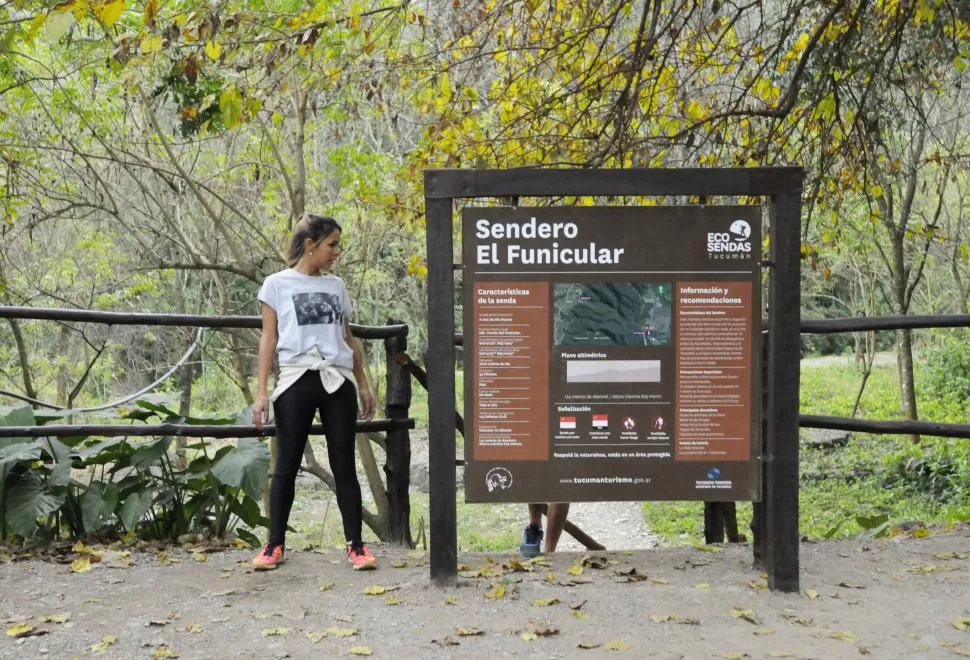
column 611, row 353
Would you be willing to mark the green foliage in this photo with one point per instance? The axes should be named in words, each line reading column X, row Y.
column 131, row 487
column 945, row 370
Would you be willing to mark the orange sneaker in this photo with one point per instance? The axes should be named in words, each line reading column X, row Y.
column 272, row 556
column 360, row 557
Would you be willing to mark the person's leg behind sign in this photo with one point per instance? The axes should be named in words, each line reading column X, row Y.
column 533, row 535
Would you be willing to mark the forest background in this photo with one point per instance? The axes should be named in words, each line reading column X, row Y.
column 154, row 155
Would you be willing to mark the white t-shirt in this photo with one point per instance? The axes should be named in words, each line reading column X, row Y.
column 310, row 312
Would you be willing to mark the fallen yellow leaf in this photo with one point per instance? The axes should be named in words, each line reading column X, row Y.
column 194, row 628
column 392, row 600
column 761, row 632
column 451, row 600
column 200, row 557
column 360, row 650
column 618, row 645
column 702, row 585
column 575, row 569
column 734, row 655
column 579, row 615
column 469, row 632
column 23, row 629
column 106, row 643
column 275, row 632
column 160, row 652
column 742, row 613
column 496, row 592
column 588, row 645
column 375, row 590
column 962, row 623
column 399, row 564
column 709, row 548
column 845, row 636
column 544, row 602
column 341, row 632
column 315, row 635
column 811, row 594
column 326, row 587
column 528, row 636
column 82, row 565
column 56, row 618
column 658, row 580
column 674, row 618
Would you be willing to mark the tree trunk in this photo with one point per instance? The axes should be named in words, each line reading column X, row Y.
column 907, row 383
column 186, row 376
column 63, row 378
column 18, row 338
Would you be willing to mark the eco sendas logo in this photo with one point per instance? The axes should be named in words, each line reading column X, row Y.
column 732, row 244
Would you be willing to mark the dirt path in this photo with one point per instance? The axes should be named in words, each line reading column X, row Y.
column 613, row 524
column 888, row 599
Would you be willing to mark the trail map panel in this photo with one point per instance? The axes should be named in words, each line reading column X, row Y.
column 610, row 353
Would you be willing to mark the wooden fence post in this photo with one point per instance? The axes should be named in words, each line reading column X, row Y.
column 397, row 468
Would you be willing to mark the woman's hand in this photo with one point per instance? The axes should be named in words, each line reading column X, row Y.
column 260, row 412
column 367, row 404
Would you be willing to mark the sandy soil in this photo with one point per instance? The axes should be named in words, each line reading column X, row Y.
column 899, row 598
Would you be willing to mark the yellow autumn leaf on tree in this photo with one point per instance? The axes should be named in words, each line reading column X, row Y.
column 151, row 44
column 109, row 12
column 213, row 49
column 695, row 111
column 58, row 23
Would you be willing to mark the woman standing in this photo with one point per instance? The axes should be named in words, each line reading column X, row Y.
column 305, row 319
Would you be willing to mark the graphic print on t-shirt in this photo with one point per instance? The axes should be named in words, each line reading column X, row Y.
column 316, row 308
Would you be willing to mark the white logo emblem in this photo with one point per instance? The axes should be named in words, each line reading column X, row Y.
column 498, row 478
column 740, row 230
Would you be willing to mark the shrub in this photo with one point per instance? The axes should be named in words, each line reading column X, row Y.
column 945, row 369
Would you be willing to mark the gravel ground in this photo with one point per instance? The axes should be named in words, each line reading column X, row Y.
column 899, row 598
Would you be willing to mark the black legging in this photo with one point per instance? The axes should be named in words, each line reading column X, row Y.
column 294, row 411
